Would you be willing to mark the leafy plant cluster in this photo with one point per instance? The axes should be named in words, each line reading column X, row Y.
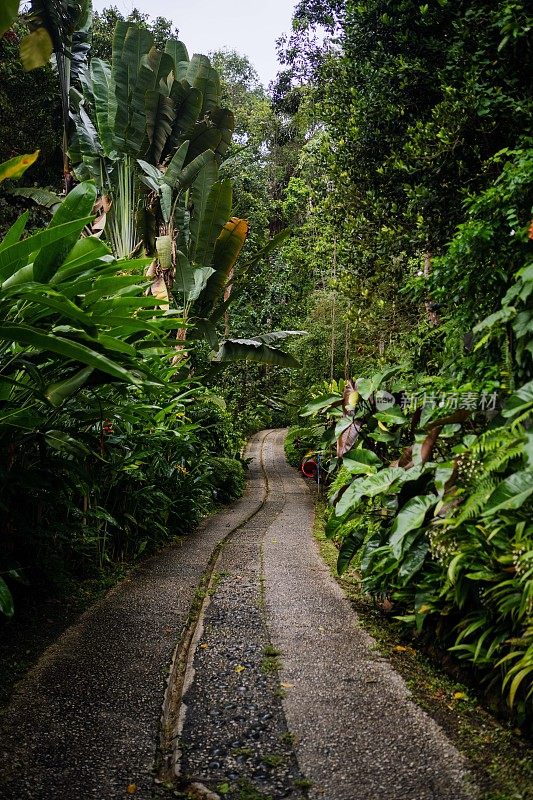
column 434, row 505
column 111, row 315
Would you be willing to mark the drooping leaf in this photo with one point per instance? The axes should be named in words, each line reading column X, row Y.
column 349, row 549
column 58, row 392
column 6, row 599
column 409, row 518
column 17, row 166
column 510, row 493
column 17, row 254
column 228, row 246
column 78, row 204
column 31, row 337
column 40, row 196
column 36, row 49
column 251, row 350
column 321, row 403
column 369, row 486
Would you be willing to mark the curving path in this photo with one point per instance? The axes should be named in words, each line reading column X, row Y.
column 272, row 688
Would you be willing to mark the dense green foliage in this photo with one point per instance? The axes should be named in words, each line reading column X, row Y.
column 419, row 185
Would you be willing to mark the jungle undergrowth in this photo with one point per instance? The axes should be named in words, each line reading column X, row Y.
column 498, row 756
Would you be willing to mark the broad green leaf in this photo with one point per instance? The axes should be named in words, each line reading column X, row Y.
column 370, row 486
column 321, row 403
column 176, row 50
column 40, row 196
column 215, row 214
column 160, row 116
column 105, row 103
column 519, row 401
column 510, row 493
column 15, row 231
column 392, row 416
column 189, row 173
column 228, row 246
column 410, row 518
column 251, row 350
column 201, row 277
column 31, row 337
column 78, row 204
column 414, row 560
column 36, row 49
column 199, row 194
column 17, row 166
column 9, row 10
column 201, row 75
column 172, row 174
column 184, row 277
column 58, row 392
column 349, row 549
column 17, row 255
column 6, row 599
column 361, row 461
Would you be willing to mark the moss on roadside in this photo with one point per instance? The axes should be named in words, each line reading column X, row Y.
column 499, row 759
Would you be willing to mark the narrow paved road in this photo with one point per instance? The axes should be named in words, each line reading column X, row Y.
column 274, row 689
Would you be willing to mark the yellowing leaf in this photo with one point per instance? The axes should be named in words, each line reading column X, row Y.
column 239, row 668
column 16, row 167
column 131, row 788
column 459, row 696
column 382, row 426
column 400, row 648
column 424, row 609
column 36, row 49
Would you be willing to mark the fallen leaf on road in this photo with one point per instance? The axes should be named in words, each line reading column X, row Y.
column 132, row 788
column 274, row 541
column 239, row 668
column 400, row 648
column 204, row 645
column 288, row 685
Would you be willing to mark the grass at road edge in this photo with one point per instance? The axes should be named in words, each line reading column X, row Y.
column 500, row 762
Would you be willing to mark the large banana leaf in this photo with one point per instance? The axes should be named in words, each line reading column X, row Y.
column 176, row 50
column 130, row 45
column 201, row 75
column 160, row 115
column 227, row 249
column 206, row 227
column 187, row 105
column 199, row 195
column 105, row 103
column 252, row 350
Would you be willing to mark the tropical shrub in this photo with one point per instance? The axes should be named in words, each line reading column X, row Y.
column 435, row 508
column 227, row 478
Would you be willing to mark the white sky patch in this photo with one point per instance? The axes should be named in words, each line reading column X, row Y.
column 251, row 27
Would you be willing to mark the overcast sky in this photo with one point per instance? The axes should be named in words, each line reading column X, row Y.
column 251, row 27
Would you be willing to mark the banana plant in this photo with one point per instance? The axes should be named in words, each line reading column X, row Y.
column 60, row 28
column 154, row 149
column 150, row 105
